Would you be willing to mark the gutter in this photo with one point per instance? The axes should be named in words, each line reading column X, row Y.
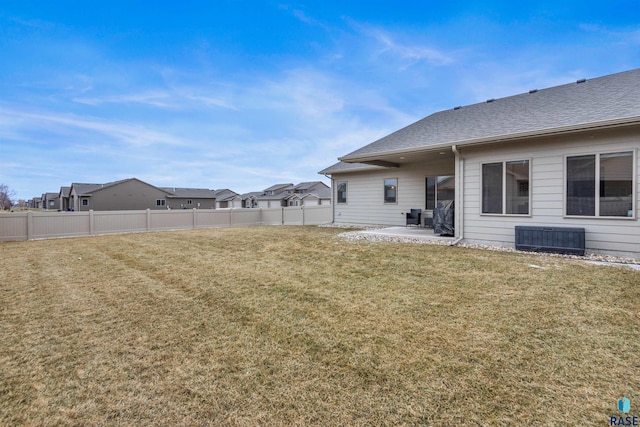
column 459, row 195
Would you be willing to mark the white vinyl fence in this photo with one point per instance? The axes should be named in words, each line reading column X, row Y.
column 46, row 225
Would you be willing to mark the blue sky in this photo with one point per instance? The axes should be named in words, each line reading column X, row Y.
column 246, row 94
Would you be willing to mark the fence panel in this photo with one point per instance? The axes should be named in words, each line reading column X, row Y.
column 175, row 219
column 272, row 216
column 212, row 218
column 293, row 216
column 13, row 227
column 114, row 222
column 316, row 215
column 60, row 224
column 245, row 217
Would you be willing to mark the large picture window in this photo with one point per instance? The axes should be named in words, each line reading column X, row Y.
column 505, row 188
column 341, row 192
column 600, row 185
column 391, row 190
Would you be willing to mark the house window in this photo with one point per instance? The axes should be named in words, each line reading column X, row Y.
column 342, row 192
column 85, row 202
column 505, row 188
column 160, row 202
column 52, row 203
column 438, row 188
column 600, row 185
column 391, row 190
column 189, row 202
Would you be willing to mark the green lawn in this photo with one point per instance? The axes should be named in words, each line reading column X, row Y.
column 294, row 326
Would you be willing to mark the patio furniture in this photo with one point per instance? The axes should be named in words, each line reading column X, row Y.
column 427, row 218
column 443, row 216
column 413, row 217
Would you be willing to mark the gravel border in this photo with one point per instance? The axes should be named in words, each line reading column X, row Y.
column 355, row 236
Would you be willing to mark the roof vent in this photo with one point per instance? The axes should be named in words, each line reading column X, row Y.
column 490, row 100
column 533, row 90
column 581, row 81
column 457, row 108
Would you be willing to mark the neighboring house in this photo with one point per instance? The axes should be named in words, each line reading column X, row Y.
column 564, row 156
column 274, row 196
column 250, row 200
column 51, row 201
column 63, row 196
column 36, row 203
column 127, row 194
column 227, row 199
column 313, row 193
column 304, row 194
column 190, row 198
column 309, row 194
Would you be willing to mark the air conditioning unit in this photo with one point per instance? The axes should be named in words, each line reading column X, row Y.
column 563, row 240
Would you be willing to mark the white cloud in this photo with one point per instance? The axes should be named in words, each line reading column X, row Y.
column 161, row 98
column 626, row 36
column 391, row 47
column 56, row 123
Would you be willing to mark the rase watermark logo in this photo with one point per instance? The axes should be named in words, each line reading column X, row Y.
column 624, row 406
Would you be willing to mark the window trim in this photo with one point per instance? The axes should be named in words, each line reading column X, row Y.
column 504, row 188
column 346, row 189
column 85, row 202
column 384, row 188
column 597, row 154
column 161, row 202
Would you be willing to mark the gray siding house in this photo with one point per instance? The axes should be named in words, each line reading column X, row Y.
column 565, row 156
column 304, row 194
column 227, row 199
column 190, row 198
column 274, row 196
column 63, row 195
column 313, row 193
column 250, row 200
column 51, row 201
column 127, row 194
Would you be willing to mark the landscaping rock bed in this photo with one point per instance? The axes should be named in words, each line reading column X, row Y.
column 355, row 236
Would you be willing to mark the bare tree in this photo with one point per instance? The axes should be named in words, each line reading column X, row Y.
column 6, row 195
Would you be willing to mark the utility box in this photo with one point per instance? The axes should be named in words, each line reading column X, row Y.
column 562, row 240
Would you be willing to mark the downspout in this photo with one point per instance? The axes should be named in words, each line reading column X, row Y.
column 333, row 205
column 459, row 213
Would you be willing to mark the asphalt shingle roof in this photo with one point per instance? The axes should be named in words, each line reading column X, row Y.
column 64, row 191
column 224, row 194
column 583, row 104
column 85, row 188
column 191, row 193
column 277, row 187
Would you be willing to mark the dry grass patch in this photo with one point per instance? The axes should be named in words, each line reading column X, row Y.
column 292, row 326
